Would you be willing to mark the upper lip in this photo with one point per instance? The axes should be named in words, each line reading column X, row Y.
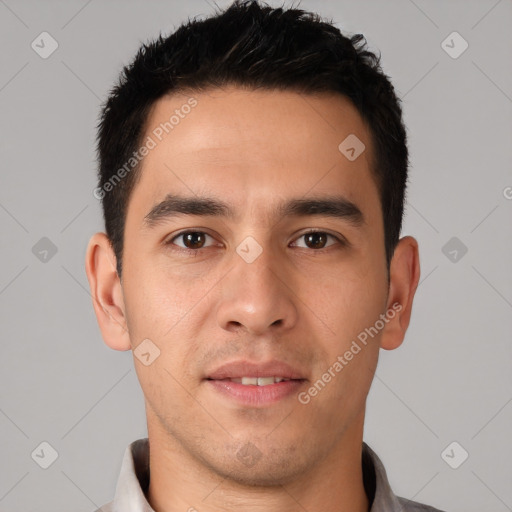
column 238, row 369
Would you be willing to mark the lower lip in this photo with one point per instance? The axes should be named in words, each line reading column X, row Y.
column 257, row 395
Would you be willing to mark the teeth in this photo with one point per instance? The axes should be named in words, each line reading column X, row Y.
column 258, row 381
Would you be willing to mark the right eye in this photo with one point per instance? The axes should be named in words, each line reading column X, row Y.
column 190, row 240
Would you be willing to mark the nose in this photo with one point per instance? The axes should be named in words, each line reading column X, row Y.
column 257, row 297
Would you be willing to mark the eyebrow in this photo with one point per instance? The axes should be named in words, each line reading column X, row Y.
column 337, row 207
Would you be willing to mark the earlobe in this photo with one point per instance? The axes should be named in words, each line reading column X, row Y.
column 404, row 278
column 106, row 292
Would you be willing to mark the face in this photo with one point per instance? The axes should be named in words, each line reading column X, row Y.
column 254, row 248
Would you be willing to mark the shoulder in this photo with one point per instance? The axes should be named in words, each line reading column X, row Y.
column 413, row 506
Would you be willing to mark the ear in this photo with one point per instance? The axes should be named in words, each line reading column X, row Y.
column 106, row 292
column 404, row 277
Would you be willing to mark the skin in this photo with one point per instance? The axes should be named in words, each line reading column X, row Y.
column 297, row 302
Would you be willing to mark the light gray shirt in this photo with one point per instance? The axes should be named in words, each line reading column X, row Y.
column 134, row 480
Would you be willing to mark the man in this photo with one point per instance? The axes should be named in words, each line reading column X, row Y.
column 253, row 168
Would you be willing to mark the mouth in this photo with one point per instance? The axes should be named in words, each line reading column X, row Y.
column 255, row 385
column 256, row 381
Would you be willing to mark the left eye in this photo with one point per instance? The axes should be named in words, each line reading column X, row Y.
column 316, row 240
column 191, row 240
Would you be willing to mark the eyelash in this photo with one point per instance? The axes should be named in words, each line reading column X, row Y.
column 170, row 241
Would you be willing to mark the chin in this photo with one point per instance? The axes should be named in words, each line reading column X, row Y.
column 249, row 467
column 266, row 475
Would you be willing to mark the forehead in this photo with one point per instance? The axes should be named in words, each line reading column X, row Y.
column 253, row 146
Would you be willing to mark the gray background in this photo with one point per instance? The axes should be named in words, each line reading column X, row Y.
column 450, row 381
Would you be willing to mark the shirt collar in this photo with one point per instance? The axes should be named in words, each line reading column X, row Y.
column 134, row 479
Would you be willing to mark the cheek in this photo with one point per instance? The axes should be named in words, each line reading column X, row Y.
column 350, row 300
column 160, row 298
column 162, row 311
column 171, row 309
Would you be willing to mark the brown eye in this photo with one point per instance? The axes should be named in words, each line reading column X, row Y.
column 192, row 240
column 315, row 240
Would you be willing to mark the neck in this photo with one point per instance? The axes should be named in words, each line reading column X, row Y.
column 179, row 482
